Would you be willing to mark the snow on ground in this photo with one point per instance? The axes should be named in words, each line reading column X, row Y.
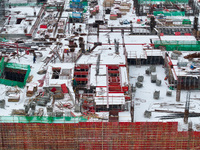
column 143, row 98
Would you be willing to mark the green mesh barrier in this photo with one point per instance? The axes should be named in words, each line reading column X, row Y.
column 167, row 13
column 44, row 119
column 179, row 45
column 1, row 66
column 14, row 66
column 17, row 66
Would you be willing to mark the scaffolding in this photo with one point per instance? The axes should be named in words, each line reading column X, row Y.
column 97, row 135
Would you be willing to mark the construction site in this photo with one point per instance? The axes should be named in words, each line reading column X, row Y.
column 99, row 74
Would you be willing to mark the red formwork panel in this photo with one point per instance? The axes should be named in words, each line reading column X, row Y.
column 115, row 88
column 114, row 83
column 127, row 98
column 43, row 26
column 189, row 34
column 125, row 88
column 114, row 79
column 82, row 66
column 113, row 71
column 177, row 33
column 113, row 67
column 81, row 79
column 81, row 73
column 64, row 88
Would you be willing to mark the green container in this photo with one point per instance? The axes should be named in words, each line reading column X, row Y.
column 43, row 119
column 186, row 21
column 179, row 45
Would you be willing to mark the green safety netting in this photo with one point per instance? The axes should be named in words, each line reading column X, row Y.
column 179, row 45
column 167, row 13
column 2, row 66
column 44, row 119
column 157, row 1
column 14, row 66
column 23, row 4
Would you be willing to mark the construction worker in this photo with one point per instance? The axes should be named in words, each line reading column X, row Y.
column 74, row 83
column 34, row 57
column 67, row 50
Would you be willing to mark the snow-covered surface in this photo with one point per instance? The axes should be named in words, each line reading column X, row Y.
column 101, row 78
column 124, row 76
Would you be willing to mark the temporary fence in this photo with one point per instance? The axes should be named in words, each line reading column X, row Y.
column 169, row 13
column 157, row 1
column 178, row 45
column 97, row 135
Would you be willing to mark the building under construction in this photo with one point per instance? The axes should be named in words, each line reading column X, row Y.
column 99, row 74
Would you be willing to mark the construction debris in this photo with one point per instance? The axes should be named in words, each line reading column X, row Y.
column 18, row 112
